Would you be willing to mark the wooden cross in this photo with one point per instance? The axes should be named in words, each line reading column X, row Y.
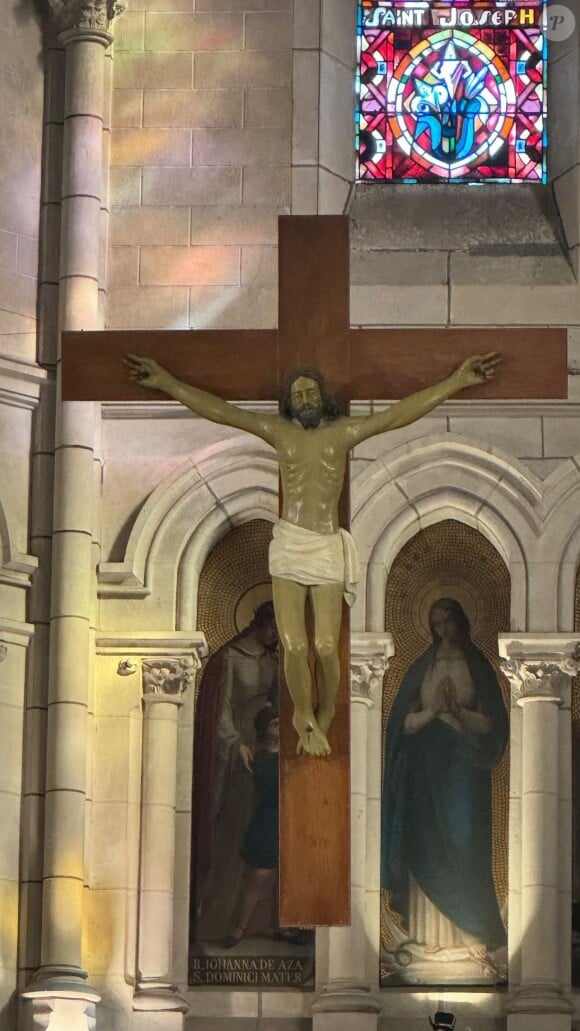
column 245, row 365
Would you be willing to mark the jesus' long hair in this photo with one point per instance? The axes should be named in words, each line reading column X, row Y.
column 330, row 407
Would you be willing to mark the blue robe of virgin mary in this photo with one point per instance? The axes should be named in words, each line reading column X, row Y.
column 436, row 805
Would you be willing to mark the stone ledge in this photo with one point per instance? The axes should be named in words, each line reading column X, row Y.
column 474, row 216
column 20, row 382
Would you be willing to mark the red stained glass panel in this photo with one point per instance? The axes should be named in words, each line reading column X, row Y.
column 452, row 91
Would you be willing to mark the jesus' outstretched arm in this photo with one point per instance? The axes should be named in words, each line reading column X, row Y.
column 148, row 373
column 472, row 372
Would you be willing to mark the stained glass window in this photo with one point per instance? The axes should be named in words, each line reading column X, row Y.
column 451, row 91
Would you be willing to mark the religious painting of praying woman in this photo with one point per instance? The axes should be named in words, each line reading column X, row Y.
column 445, row 735
column 235, row 936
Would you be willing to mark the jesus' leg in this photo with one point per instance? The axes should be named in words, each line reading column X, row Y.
column 327, row 608
column 290, row 608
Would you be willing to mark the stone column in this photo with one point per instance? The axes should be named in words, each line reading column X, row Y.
column 323, row 161
column 41, row 504
column 346, row 1002
column 540, row 668
column 164, row 682
column 83, row 32
column 14, row 642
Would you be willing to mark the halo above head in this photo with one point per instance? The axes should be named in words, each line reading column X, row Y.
column 249, row 602
column 451, row 587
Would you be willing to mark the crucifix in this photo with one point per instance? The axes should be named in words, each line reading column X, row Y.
column 247, row 365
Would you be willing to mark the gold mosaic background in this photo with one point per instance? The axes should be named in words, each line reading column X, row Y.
column 236, row 568
column 454, row 560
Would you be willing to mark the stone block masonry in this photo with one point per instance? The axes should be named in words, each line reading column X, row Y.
column 21, row 98
column 201, row 149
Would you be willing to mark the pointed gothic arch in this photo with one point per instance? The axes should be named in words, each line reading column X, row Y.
column 187, row 513
column 444, row 477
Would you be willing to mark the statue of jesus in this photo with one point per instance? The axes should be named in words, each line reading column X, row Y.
column 310, row 555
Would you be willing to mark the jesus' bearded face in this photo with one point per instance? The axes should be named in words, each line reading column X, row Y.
column 307, row 406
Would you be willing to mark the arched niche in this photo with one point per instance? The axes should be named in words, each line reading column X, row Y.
column 183, row 519
column 233, row 582
column 453, row 560
column 438, row 478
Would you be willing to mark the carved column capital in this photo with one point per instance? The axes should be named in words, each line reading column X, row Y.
column 369, row 659
column 93, row 16
column 169, row 676
column 540, row 666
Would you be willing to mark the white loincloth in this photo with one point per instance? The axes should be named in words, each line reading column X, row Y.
column 311, row 558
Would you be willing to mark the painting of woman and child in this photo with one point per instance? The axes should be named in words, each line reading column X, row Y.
column 445, row 733
column 235, row 935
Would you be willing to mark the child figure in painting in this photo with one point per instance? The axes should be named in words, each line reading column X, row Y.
column 260, row 845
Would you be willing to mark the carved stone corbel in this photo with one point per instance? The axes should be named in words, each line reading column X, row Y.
column 126, row 668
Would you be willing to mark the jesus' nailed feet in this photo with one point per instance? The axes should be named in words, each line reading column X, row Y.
column 311, row 740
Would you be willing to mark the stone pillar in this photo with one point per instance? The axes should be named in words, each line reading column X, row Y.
column 15, row 638
column 164, row 682
column 41, row 504
column 346, row 1002
column 323, row 164
column 83, row 27
column 540, row 668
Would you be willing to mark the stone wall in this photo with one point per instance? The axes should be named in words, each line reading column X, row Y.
column 208, row 147
column 200, row 162
column 21, row 97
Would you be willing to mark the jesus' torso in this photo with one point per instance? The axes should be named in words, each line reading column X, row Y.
column 312, row 468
